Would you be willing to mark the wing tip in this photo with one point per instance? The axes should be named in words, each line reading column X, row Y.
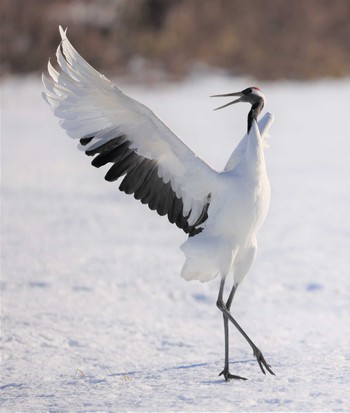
column 270, row 117
column 63, row 32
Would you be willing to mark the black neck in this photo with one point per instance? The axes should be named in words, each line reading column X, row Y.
column 257, row 107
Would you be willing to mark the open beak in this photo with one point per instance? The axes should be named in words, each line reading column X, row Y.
column 226, row 95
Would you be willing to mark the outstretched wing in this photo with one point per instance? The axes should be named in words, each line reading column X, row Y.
column 158, row 168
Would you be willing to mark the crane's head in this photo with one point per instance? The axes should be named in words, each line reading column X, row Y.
column 252, row 95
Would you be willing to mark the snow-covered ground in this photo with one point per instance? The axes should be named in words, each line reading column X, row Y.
column 95, row 315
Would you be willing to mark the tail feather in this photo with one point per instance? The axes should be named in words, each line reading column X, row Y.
column 206, row 258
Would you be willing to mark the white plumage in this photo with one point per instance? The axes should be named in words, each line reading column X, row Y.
column 221, row 211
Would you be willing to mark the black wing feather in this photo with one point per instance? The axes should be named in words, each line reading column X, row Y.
column 142, row 179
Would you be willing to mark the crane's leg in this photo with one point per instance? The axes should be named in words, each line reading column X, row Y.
column 226, row 372
column 227, row 315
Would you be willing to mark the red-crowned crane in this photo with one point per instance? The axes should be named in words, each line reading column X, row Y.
column 221, row 212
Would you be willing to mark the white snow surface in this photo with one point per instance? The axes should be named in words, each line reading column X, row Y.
column 95, row 315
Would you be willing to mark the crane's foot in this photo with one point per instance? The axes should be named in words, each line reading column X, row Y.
column 228, row 376
column 262, row 362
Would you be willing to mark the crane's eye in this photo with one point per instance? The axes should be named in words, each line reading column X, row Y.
column 247, row 91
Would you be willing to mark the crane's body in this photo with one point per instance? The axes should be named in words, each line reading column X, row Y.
column 221, row 212
column 228, row 241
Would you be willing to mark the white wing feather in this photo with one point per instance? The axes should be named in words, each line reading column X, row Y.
column 89, row 104
column 264, row 125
